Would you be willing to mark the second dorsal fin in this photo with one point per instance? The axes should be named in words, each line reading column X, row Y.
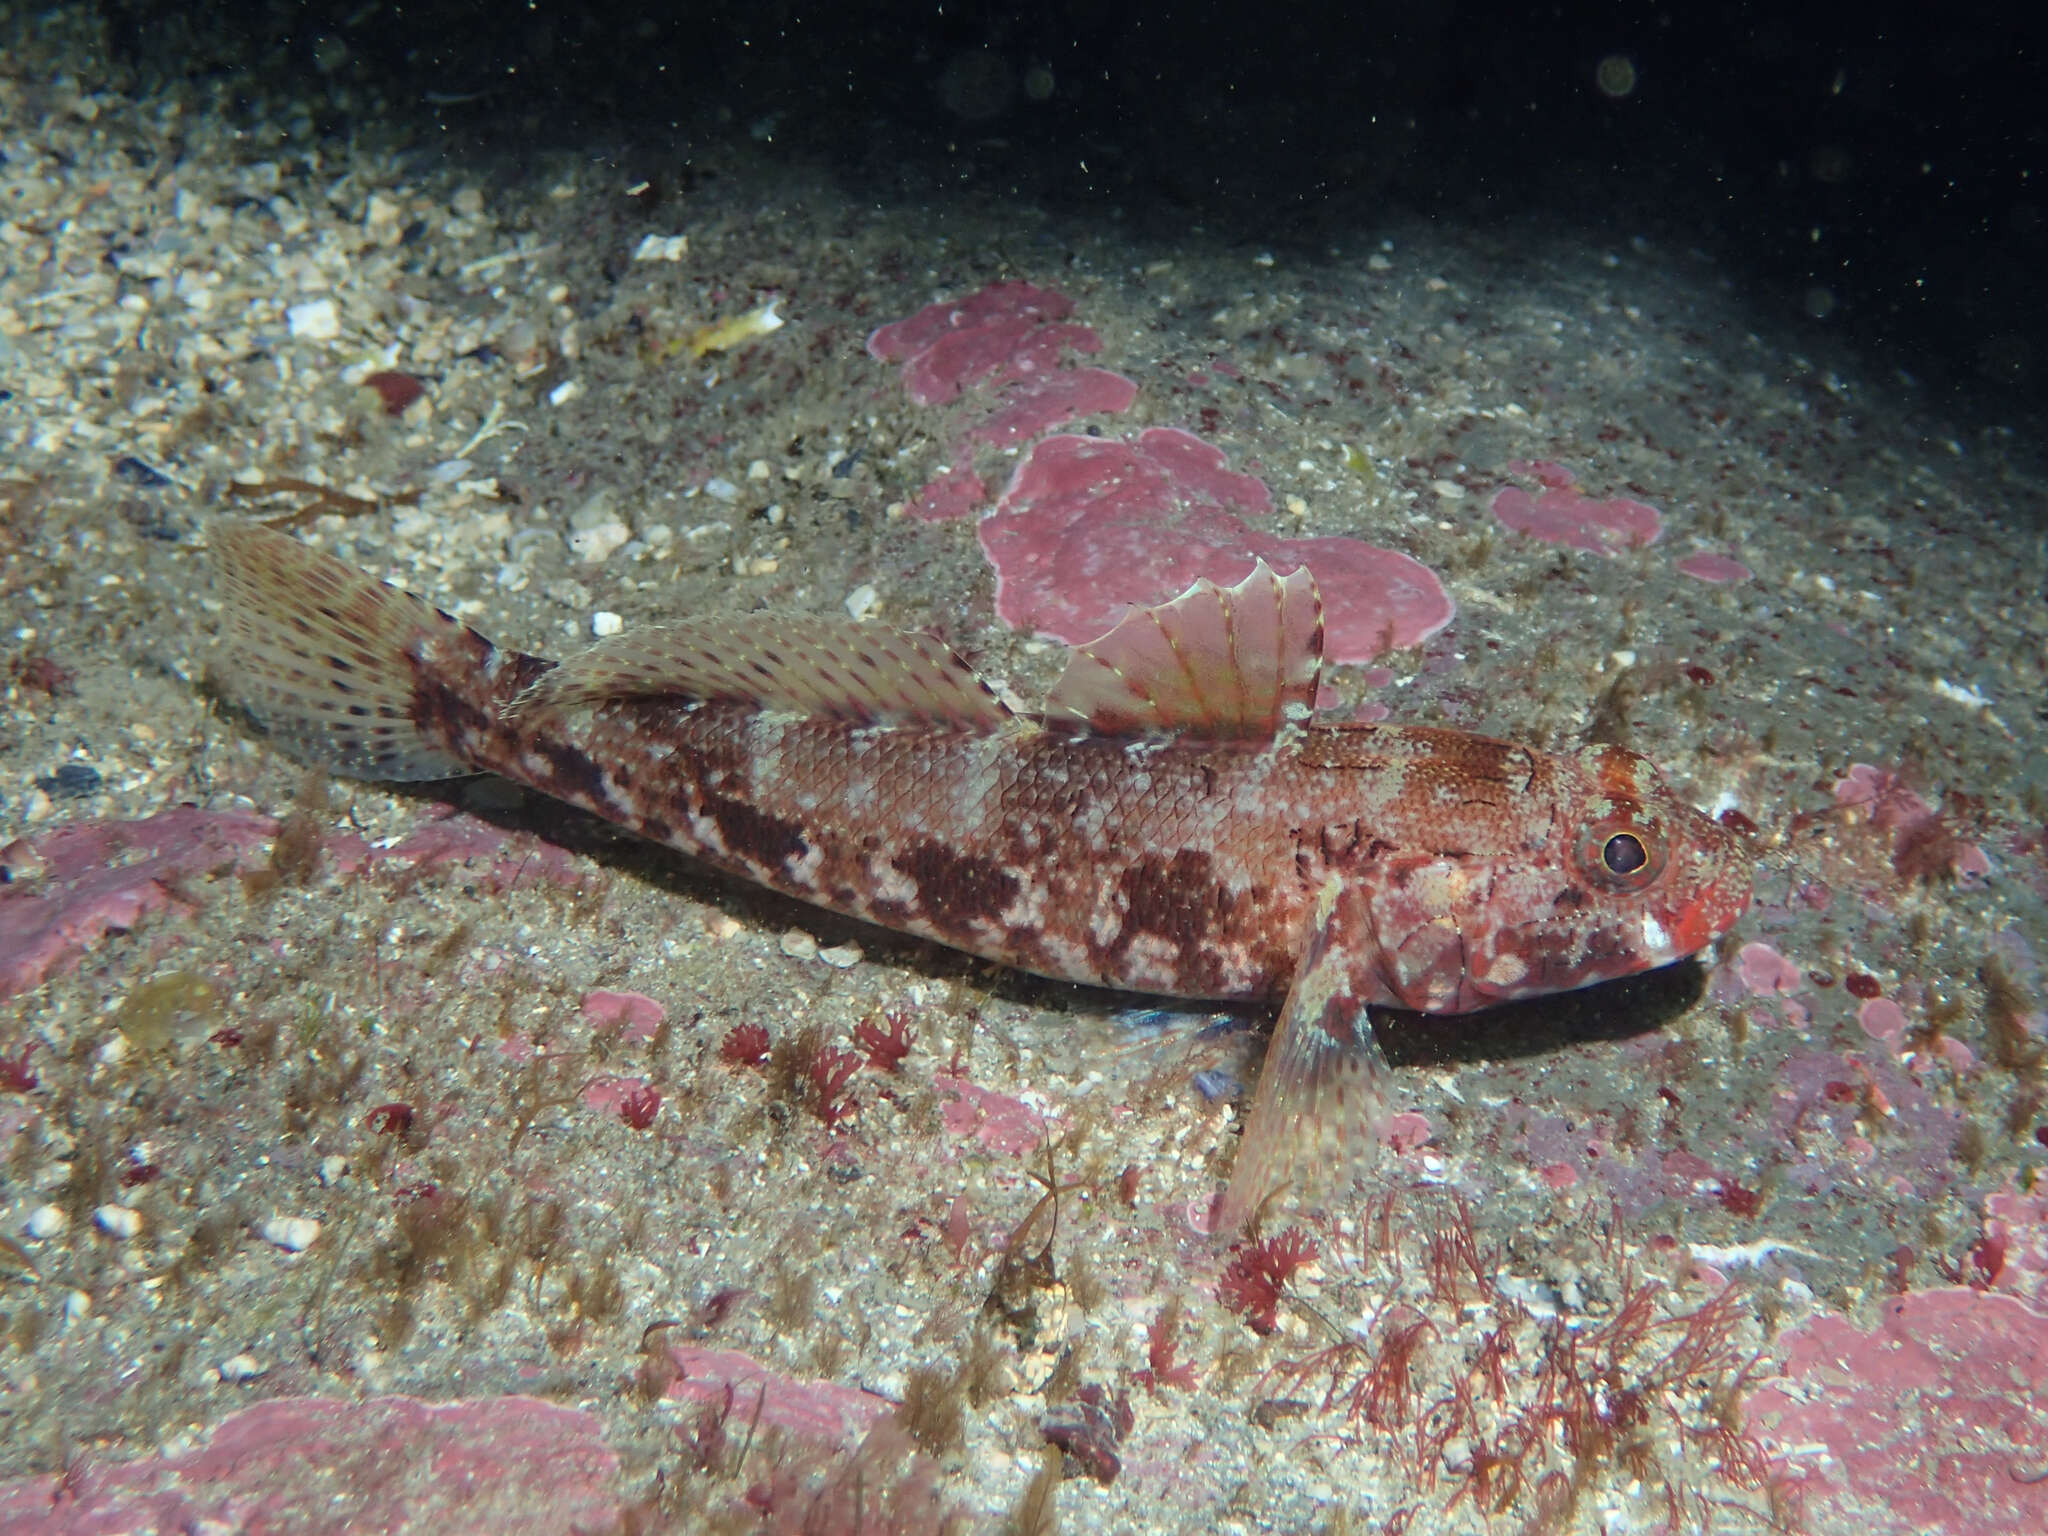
column 1220, row 662
column 808, row 666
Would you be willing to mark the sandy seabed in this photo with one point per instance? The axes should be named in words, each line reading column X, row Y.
column 442, row 1159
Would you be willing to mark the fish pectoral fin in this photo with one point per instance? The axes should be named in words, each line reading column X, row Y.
column 803, row 664
column 1323, row 1092
column 1216, row 662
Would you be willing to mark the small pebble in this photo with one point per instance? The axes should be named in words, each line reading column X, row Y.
column 605, row 624
column 333, row 1169
column 861, row 601
column 799, row 945
column 315, row 321
column 294, row 1234
column 718, row 488
column 118, row 1221
column 46, row 1221
column 841, row 956
column 73, row 781
column 241, row 1368
column 136, row 472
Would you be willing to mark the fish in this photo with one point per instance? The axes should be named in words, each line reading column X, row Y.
column 1173, row 820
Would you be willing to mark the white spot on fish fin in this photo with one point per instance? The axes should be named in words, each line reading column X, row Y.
column 1322, row 1094
column 322, row 655
column 1215, row 662
column 808, row 666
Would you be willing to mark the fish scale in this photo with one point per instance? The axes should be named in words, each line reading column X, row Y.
column 1173, row 822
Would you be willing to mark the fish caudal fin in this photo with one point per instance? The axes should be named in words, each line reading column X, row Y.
column 1323, row 1091
column 324, row 656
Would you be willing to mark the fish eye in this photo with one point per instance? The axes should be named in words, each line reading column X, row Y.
column 1621, row 853
column 1624, row 854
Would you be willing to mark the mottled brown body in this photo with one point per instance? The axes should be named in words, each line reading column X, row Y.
column 1167, row 865
column 1174, row 823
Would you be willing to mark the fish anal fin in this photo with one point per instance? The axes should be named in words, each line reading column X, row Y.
column 1322, row 1096
column 1218, row 662
column 322, row 655
column 830, row 668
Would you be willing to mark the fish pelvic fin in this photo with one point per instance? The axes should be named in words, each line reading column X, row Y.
column 326, row 657
column 1323, row 1092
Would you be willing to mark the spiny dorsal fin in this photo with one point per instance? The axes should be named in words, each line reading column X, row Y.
column 322, row 655
column 808, row 666
column 1216, row 661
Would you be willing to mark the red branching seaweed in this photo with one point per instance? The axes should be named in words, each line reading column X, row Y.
column 1256, row 1277
column 745, row 1045
column 390, row 1119
column 828, row 1074
column 15, row 1074
column 1162, row 1348
column 886, row 1048
column 639, row 1105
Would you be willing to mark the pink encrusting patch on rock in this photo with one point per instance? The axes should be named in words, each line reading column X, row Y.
column 1006, row 331
column 1543, row 472
column 1764, row 970
column 1043, row 403
column 1882, row 1019
column 740, row 1386
column 1716, row 569
column 1406, row 1131
column 1090, row 527
column 994, row 1119
column 1562, row 516
column 2013, row 1257
column 635, row 1015
column 72, row 885
column 514, row 1466
column 955, row 493
column 1929, row 1420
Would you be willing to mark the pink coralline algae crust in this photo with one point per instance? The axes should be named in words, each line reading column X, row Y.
column 996, row 1120
column 634, row 1015
column 1562, row 516
column 105, row 877
column 516, row 861
column 1765, row 971
column 1931, row 1419
column 748, row 1392
column 1089, row 527
column 1056, row 398
column 947, row 496
column 2013, row 1257
column 1407, row 1132
column 1882, row 1019
column 514, row 1466
column 1006, row 331
column 1716, row 569
column 1923, row 843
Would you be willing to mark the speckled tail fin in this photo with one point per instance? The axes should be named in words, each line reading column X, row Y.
column 324, row 655
column 1322, row 1095
column 1217, row 662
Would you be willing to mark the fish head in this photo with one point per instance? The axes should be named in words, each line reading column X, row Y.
column 1601, row 871
column 1628, row 877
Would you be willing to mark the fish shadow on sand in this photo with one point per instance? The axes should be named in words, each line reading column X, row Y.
column 1614, row 1010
